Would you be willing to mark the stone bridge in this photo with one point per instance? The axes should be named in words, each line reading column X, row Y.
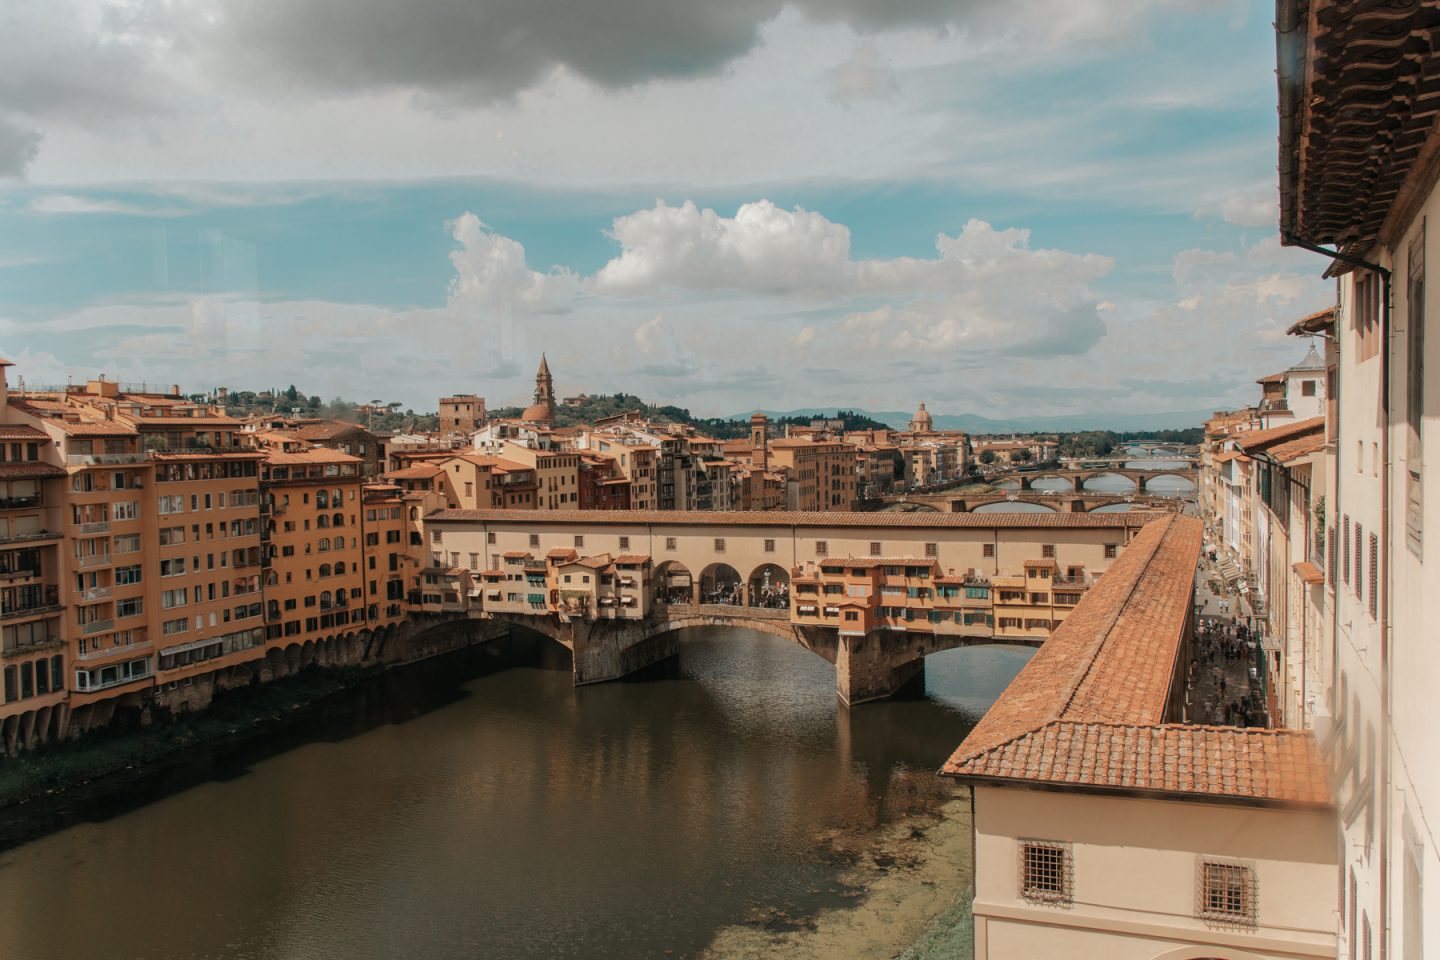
column 1058, row 502
column 1076, row 477
column 869, row 667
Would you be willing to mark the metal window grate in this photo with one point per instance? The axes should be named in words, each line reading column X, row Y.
column 1334, row 557
column 1346, row 543
column 1226, row 893
column 1046, row 872
column 1374, row 576
column 1359, row 563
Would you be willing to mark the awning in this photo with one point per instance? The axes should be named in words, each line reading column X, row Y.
column 1308, row 572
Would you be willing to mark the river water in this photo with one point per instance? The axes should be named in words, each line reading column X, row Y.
column 481, row 806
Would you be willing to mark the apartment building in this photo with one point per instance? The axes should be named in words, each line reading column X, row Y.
column 1358, row 188
column 821, row 473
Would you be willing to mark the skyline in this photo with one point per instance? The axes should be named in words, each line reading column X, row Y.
column 1074, row 196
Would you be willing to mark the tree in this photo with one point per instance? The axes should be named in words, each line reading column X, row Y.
column 987, row 456
column 292, row 394
column 1020, row 456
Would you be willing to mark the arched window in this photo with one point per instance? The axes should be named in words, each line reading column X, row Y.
column 323, row 521
column 414, row 513
column 339, row 568
column 339, row 598
column 322, row 499
column 338, row 498
column 324, row 569
column 273, row 610
column 323, row 544
column 338, row 520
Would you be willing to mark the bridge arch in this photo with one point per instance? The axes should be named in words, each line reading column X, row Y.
column 1085, row 484
column 1051, row 482
column 769, row 586
column 720, row 583
column 673, row 582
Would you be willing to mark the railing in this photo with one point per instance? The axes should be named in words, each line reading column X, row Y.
column 118, row 681
column 94, row 560
column 95, row 526
column 102, row 459
column 127, row 649
column 1068, row 581
column 20, row 573
column 95, row 593
column 18, row 503
column 96, row 626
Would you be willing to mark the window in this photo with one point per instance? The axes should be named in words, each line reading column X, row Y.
column 875, row 548
column 822, row 549
column 669, row 543
column 1331, row 554
column 1112, row 550
column 1365, row 315
column 1345, row 541
column 932, row 549
column 534, row 539
column 1359, row 563
column 769, row 546
column 127, row 543
column 579, row 541
column 1045, row 872
column 1047, row 551
column 719, row 544
column 490, row 537
column 130, row 608
column 128, row 575
column 987, row 550
column 1374, row 575
column 624, row 543
column 1227, row 892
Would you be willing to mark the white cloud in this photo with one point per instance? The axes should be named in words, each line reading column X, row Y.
column 1258, row 207
column 490, row 270
column 864, row 75
column 69, row 204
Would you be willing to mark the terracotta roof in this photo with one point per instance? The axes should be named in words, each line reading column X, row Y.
column 513, row 554
column 869, row 562
column 418, row 472
column 1317, row 322
column 316, row 455
column 1272, row 378
column 1089, row 709
column 91, row 428
column 181, row 455
column 21, row 431
column 562, row 553
column 632, row 559
column 24, row 469
column 1229, row 455
column 784, row 518
column 1293, row 450
column 1050, row 562
column 1357, row 107
column 594, row 563
column 1308, row 572
column 327, row 430
column 1252, row 441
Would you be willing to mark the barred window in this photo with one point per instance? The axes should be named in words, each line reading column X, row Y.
column 1046, row 872
column 874, row 548
column 987, row 550
column 932, row 549
column 1345, row 540
column 669, row 543
column 719, row 544
column 1374, row 576
column 1047, row 550
column 1227, row 892
column 1359, row 563
column 1333, row 556
column 822, row 548
column 769, row 546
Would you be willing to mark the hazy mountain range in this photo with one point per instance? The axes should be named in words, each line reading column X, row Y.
column 974, row 423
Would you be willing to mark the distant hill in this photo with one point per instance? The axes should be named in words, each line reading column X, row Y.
column 974, row 423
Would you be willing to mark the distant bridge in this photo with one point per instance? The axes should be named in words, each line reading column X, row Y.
column 1076, row 477
column 1057, row 501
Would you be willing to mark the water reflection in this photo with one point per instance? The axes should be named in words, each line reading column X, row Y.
column 1013, row 506
column 480, row 808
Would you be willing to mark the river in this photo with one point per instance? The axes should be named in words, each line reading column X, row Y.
column 481, row 806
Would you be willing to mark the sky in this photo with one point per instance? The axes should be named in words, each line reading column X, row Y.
column 1001, row 208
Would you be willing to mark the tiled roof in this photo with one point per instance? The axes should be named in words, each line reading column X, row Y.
column 632, row 559
column 327, row 430
column 26, row 469
column 91, row 428
column 182, row 455
column 1317, row 322
column 1252, row 441
column 316, row 455
column 1272, row 378
column 594, row 563
column 515, row 555
column 869, row 562
column 784, row 518
column 1239, row 764
column 1308, row 572
column 419, row 472
column 1293, row 450
column 21, row 431
column 562, row 553
column 1089, row 709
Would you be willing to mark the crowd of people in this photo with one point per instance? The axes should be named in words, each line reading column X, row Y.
column 1222, row 698
column 771, row 596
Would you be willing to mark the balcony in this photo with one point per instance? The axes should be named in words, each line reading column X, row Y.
column 20, row 573
column 20, row 503
column 94, row 594
column 129, row 649
column 102, row 459
column 94, row 560
column 96, row 526
column 96, row 626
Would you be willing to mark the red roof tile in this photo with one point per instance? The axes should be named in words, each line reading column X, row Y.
column 782, row 518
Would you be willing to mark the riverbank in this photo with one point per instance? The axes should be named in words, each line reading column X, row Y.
column 911, row 881
column 64, row 775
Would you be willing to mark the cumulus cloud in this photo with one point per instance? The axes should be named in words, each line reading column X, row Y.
column 18, row 146
column 490, row 271
column 864, row 75
column 761, row 249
